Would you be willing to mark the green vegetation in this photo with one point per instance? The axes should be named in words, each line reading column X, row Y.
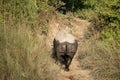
column 23, row 30
column 105, row 16
column 101, row 53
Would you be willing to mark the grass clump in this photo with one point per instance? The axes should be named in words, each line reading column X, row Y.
column 103, row 60
column 23, row 54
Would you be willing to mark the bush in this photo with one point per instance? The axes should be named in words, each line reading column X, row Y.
column 105, row 16
column 19, row 9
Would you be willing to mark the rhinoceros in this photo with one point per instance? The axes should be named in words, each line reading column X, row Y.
column 64, row 48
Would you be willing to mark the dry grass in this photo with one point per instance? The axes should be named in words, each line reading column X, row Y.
column 101, row 59
column 24, row 55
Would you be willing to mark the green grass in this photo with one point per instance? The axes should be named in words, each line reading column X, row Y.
column 103, row 60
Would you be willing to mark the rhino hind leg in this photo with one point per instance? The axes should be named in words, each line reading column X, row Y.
column 67, row 62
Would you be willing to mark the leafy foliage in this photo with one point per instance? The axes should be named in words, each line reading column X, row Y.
column 56, row 3
column 42, row 5
column 19, row 9
column 105, row 16
column 109, row 19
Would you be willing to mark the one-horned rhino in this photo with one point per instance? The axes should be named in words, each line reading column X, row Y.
column 64, row 46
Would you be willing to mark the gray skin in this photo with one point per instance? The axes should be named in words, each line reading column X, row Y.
column 64, row 52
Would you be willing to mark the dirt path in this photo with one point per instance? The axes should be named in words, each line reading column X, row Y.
column 76, row 73
column 78, row 29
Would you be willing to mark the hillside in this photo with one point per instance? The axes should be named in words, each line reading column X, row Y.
column 28, row 27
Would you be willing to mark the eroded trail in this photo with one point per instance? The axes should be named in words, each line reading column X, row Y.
column 78, row 29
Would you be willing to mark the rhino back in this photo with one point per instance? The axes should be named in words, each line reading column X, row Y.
column 66, row 47
column 63, row 36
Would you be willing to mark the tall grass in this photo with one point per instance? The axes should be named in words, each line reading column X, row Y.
column 23, row 54
column 103, row 60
